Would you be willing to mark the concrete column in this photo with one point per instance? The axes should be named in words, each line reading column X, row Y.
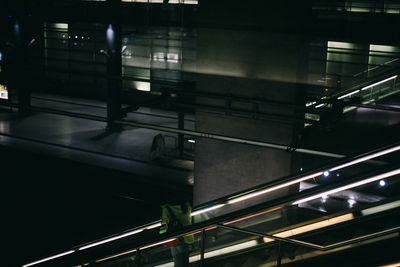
column 254, row 61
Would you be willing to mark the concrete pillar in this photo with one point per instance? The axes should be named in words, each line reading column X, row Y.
column 246, row 61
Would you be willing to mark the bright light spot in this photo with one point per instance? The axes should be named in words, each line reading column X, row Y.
column 351, row 202
column 3, row 92
column 382, row 183
column 340, row 45
column 326, row 173
column 49, row 258
column 59, row 25
column 349, row 94
column 191, row 141
column 207, row 209
column 110, row 35
column 17, row 29
column 142, row 86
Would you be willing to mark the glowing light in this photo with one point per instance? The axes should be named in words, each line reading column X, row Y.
column 111, row 239
column 378, row 83
column 191, row 141
column 234, row 200
column 49, row 258
column 153, row 226
column 365, row 158
column 142, row 86
column 349, row 94
column 381, row 208
column 311, row 227
column 382, row 183
column 159, row 243
column 207, row 209
column 351, row 202
column 117, row 255
column 326, row 173
column 110, row 35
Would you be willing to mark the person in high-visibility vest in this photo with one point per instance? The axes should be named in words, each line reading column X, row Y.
column 175, row 216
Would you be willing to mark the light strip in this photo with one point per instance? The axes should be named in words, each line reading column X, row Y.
column 320, row 105
column 207, row 209
column 114, row 256
column 111, row 239
column 349, row 94
column 235, row 200
column 378, row 83
column 159, row 243
column 342, row 188
column 49, row 258
column 381, row 208
column 312, row 227
column 230, row 249
column 396, row 264
column 378, row 154
column 252, row 216
column 153, row 226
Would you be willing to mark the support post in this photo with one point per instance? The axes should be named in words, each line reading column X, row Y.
column 202, row 247
column 114, row 63
column 181, row 126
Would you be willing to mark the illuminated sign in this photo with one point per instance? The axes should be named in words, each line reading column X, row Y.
column 3, row 91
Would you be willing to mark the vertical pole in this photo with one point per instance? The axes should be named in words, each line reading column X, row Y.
column 279, row 257
column 202, row 247
column 20, row 68
column 181, row 126
column 114, row 63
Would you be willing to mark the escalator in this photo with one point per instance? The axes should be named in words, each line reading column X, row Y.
column 345, row 214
